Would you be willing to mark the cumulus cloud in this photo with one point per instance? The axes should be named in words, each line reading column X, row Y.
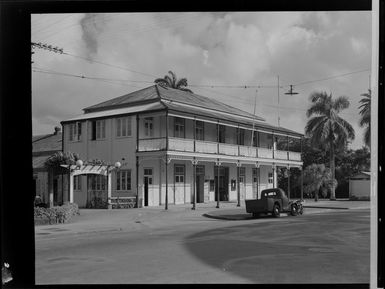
column 224, row 48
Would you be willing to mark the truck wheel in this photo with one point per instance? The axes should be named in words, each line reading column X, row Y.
column 294, row 210
column 255, row 215
column 276, row 210
column 300, row 210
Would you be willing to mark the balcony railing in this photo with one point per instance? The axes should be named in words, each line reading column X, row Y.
column 282, row 155
column 187, row 145
column 152, row 144
column 180, row 144
column 206, row 147
column 265, row 153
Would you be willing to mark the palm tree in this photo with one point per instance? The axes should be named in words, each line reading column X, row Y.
column 326, row 128
column 172, row 82
column 365, row 115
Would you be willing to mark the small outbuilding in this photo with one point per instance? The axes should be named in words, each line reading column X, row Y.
column 359, row 186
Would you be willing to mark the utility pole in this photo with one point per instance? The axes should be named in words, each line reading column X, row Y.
column 278, row 101
column 45, row 47
column 252, row 132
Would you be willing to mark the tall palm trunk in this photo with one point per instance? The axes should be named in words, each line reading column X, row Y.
column 332, row 169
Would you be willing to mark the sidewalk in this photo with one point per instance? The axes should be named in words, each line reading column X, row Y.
column 310, row 207
column 101, row 220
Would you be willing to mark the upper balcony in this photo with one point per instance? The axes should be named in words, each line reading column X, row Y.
column 209, row 147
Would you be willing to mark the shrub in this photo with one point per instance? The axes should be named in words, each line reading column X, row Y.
column 58, row 214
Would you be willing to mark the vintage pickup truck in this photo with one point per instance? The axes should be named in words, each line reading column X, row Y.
column 273, row 201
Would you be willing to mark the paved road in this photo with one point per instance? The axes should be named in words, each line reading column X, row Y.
column 319, row 248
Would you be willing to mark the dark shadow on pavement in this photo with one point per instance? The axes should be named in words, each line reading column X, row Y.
column 306, row 249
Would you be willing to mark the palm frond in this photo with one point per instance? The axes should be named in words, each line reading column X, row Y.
column 340, row 103
column 314, row 122
column 365, row 120
column 173, row 79
column 367, row 136
column 181, row 83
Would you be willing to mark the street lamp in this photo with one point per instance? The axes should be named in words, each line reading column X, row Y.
column 79, row 163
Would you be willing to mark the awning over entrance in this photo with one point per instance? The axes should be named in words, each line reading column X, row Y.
column 89, row 169
column 104, row 170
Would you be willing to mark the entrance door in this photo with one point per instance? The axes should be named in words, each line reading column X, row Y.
column 255, row 183
column 147, row 185
column 223, row 183
column 200, row 182
column 179, row 184
column 55, row 192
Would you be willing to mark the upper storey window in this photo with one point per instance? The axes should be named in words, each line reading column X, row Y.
column 98, row 129
column 222, row 134
column 148, row 126
column 123, row 126
column 75, row 131
column 199, row 130
column 179, row 126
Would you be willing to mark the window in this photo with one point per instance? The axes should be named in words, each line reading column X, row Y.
column 75, row 131
column 242, row 171
column 98, row 129
column 179, row 173
column 148, row 126
column 255, row 175
column 123, row 126
column 199, row 130
column 256, row 139
column 77, row 183
column 241, row 136
column 179, row 127
column 222, row 134
column 200, row 170
column 98, row 182
column 270, row 178
column 123, row 180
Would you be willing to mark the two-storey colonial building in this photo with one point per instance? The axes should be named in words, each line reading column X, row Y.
column 180, row 144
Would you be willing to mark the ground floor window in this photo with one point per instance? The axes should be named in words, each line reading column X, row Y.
column 123, row 180
column 98, row 182
column 270, row 178
column 179, row 173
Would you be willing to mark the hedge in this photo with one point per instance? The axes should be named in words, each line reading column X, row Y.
column 54, row 215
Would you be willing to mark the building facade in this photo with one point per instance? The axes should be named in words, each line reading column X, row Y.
column 174, row 147
column 44, row 146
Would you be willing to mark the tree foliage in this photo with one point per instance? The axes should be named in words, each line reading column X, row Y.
column 326, row 129
column 173, row 82
column 365, row 115
column 54, row 162
column 316, row 178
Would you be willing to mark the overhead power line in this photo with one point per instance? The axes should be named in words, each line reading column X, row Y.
column 330, row 77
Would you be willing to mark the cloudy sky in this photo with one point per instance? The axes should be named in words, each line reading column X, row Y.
column 122, row 52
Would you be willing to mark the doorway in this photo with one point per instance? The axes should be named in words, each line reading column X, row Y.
column 255, row 180
column 55, row 192
column 179, row 184
column 200, row 182
column 223, row 183
column 147, row 184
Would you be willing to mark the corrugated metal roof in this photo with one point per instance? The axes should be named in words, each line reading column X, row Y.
column 118, row 111
column 47, row 143
column 157, row 92
column 38, row 162
column 201, row 101
column 228, row 117
column 145, row 94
